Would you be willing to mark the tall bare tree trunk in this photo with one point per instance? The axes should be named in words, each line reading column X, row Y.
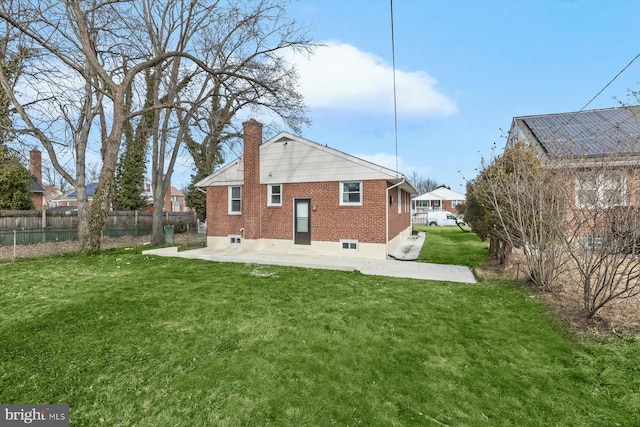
column 157, row 229
column 102, row 197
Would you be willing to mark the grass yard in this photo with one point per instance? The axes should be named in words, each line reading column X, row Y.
column 451, row 245
column 133, row 340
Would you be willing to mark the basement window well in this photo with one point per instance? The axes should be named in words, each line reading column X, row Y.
column 348, row 245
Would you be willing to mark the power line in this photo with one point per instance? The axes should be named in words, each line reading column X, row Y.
column 395, row 100
column 555, row 131
column 612, row 80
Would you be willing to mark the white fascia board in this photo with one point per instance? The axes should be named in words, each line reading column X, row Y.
column 230, row 174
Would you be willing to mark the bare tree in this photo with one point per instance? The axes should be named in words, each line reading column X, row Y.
column 575, row 217
column 51, row 177
column 422, row 184
column 260, row 37
column 105, row 47
column 56, row 98
column 195, row 107
column 527, row 211
column 602, row 236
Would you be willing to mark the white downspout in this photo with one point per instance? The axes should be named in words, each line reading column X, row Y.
column 386, row 203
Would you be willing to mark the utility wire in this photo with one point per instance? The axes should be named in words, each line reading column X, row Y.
column 574, row 114
column 395, row 100
column 612, row 80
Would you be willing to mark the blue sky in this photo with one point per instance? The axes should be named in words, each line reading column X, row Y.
column 464, row 70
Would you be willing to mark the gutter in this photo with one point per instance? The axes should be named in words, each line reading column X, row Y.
column 386, row 204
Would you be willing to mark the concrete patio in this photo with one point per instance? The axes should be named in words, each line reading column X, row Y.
column 399, row 267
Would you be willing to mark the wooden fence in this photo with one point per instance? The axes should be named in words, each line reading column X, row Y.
column 13, row 220
column 32, row 227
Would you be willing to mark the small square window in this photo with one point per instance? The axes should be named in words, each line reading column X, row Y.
column 351, row 193
column 235, row 239
column 274, row 196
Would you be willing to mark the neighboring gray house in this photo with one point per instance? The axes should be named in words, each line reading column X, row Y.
column 601, row 148
column 609, row 134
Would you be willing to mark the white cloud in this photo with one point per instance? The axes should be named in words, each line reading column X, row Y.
column 342, row 77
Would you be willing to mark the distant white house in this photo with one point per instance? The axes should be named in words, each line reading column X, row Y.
column 440, row 199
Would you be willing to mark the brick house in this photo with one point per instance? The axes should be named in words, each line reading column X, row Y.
column 598, row 153
column 292, row 193
column 70, row 198
column 173, row 200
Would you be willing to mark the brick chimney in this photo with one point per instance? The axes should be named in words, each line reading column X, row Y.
column 35, row 164
column 251, row 188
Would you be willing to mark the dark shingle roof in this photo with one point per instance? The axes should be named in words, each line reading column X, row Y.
column 36, row 187
column 613, row 131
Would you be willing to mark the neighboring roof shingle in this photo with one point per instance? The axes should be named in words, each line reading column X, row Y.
column 91, row 188
column 613, row 131
column 36, row 187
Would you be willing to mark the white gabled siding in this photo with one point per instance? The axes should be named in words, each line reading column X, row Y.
column 301, row 161
column 291, row 159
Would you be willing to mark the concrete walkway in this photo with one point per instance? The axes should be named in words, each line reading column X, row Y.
column 410, row 249
column 373, row 267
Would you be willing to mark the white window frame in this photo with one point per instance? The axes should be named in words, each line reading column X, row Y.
column 231, row 199
column 270, row 195
column 342, row 193
column 353, row 245
column 599, row 186
column 235, row 239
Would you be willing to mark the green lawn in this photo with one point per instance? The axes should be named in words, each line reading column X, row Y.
column 132, row 340
column 451, row 245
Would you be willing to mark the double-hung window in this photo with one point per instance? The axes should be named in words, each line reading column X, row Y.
column 600, row 190
column 351, row 193
column 235, row 200
column 274, row 196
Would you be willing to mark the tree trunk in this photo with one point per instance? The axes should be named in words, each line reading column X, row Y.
column 83, row 215
column 157, row 228
column 102, row 197
column 99, row 211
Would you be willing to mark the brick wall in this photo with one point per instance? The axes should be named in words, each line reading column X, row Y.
column 219, row 222
column 37, row 199
column 330, row 222
column 398, row 222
